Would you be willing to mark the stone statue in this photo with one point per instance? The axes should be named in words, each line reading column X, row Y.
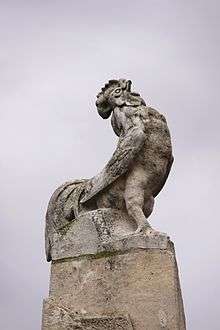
column 133, row 177
column 110, row 270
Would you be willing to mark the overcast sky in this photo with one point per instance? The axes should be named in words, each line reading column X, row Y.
column 55, row 56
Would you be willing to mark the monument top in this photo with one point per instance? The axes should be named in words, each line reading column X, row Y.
column 111, row 270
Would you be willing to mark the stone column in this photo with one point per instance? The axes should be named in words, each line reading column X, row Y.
column 101, row 282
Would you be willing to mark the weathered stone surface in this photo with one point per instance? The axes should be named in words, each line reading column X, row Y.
column 58, row 318
column 101, row 231
column 141, row 283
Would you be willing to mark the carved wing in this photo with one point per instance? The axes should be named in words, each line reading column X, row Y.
column 128, row 147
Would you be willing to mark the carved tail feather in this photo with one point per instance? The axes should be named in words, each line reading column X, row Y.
column 63, row 207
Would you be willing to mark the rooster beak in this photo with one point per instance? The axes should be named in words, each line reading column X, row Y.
column 128, row 85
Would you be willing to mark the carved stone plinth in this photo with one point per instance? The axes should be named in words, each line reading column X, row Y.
column 105, row 277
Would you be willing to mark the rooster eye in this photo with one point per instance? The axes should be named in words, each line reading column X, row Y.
column 117, row 90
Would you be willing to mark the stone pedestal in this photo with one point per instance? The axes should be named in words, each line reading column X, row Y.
column 127, row 282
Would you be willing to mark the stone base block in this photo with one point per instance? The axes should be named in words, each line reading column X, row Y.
column 99, row 231
column 136, row 289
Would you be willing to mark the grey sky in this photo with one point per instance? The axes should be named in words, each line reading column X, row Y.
column 55, row 56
